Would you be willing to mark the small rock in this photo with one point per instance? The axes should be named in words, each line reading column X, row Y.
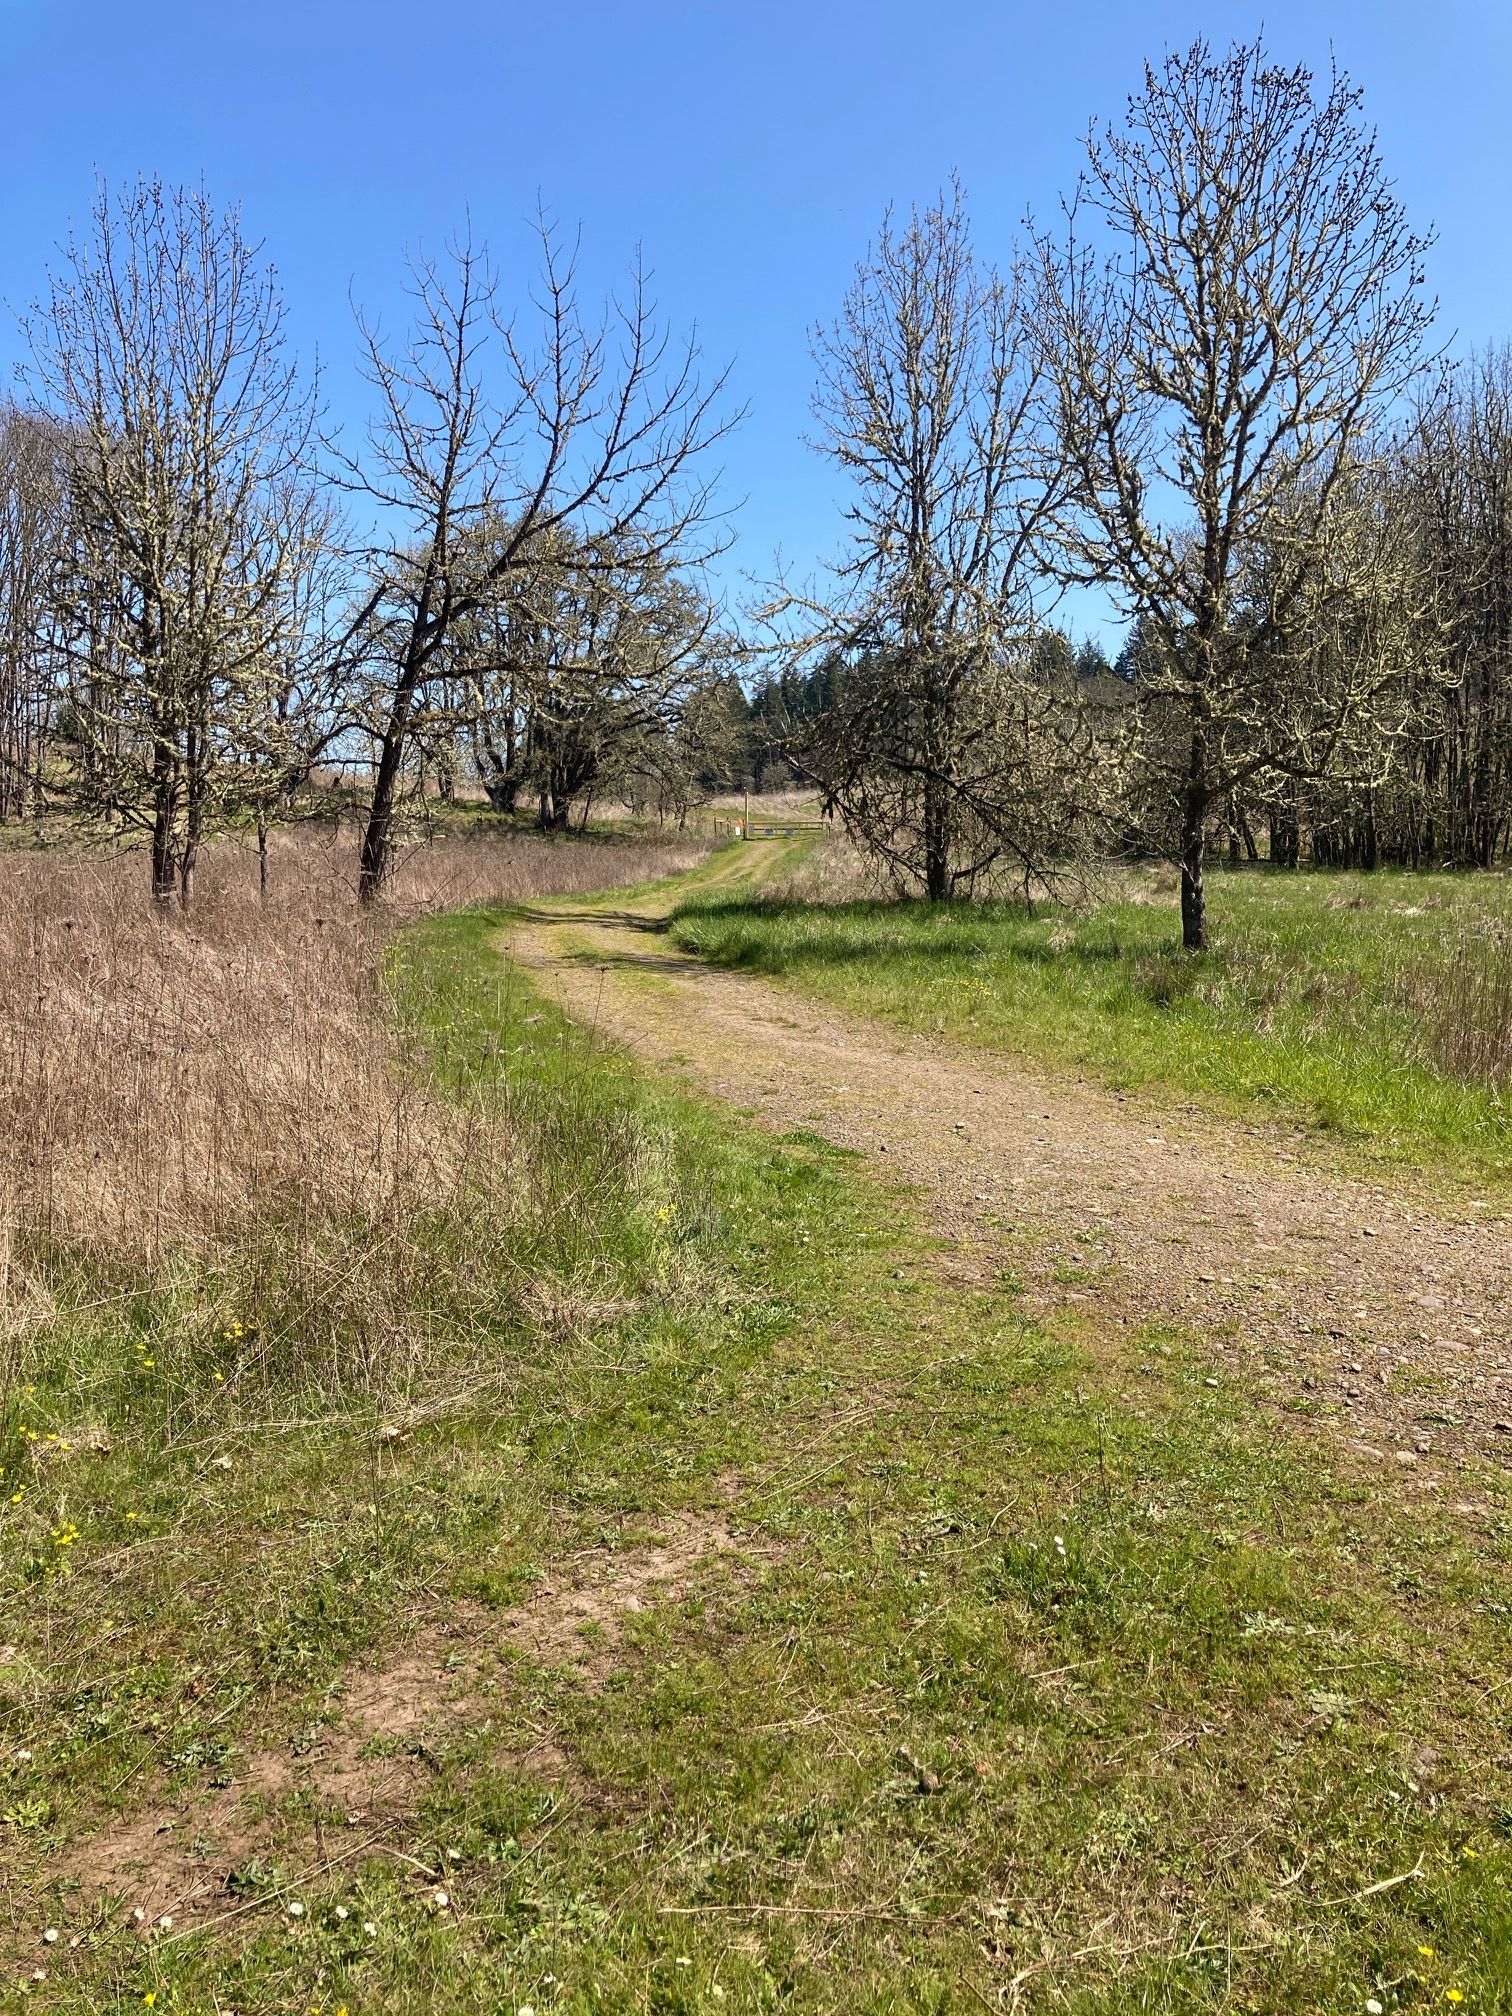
column 1405, row 1456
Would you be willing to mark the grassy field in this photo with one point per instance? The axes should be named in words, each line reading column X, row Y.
column 1377, row 1007
column 749, row 1616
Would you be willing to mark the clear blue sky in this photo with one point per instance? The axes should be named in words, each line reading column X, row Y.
column 749, row 148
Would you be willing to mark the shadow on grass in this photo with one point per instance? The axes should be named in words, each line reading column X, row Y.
column 628, row 920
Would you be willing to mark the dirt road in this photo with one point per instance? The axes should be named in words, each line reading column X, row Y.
column 1381, row 1310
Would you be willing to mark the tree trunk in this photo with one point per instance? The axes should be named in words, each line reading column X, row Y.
column 1246, row 831
column 189, row 859
column 262, row 857
column 936, row 843
column 164, row 811
column 194, row 823
column 1194, row 809
column 164, row 864
column 377, row 835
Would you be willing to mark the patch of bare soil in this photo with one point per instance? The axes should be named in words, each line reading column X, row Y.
column 1381, row 1309
column 358, row 1775
column 578, row 1619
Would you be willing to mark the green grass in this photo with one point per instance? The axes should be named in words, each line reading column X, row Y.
column 1330, row 999
column 1037, row 1669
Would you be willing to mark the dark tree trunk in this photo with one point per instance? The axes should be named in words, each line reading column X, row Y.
column 377, row 837
column 936, row 843
column 194, row 817
column 1194, row 811
column 164, row 810
column 1286, row 834
column 1194, row 934
column 189, row 859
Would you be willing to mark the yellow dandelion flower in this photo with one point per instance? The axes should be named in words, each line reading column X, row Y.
column 1453, row 1995
column 1426, row 1952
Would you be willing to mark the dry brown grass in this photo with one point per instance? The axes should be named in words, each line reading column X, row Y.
column 225, row 1096
column 1461, row 1001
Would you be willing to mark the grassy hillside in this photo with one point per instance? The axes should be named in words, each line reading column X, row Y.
column 1377, row 1006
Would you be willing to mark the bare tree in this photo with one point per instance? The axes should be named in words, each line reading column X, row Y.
column 1214, row 363
column 33, row 537
column 598, row 434
column 1456, row 491
column 289, row 704
column 160, row 345
column 941, row 749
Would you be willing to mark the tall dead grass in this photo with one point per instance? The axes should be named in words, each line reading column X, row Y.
column 224, row 1101
column 1460, row 1003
